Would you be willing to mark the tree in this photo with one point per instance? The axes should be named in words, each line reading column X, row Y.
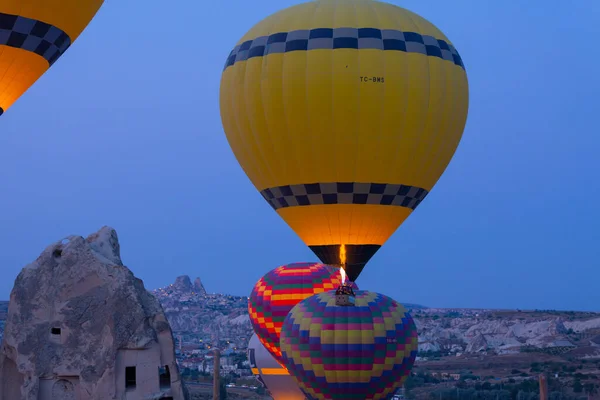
column 461, row 384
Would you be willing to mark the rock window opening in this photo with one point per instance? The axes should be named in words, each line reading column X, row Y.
column 164, row 377
column 55, row 331
column 130, row 381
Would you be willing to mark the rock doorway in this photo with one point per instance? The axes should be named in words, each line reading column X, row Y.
column 63, row 390
column 164, row 377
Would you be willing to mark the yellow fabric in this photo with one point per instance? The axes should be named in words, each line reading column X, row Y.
column 305, row 116
column 274, row 371
column 19, row 69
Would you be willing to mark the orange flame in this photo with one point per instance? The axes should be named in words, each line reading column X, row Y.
column 343, row 263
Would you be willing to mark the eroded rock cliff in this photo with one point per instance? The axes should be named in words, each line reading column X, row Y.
column 79, row 322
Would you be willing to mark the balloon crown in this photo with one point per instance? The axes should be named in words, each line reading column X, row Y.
column 344, row 296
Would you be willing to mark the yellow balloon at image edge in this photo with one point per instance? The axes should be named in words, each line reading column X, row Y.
column 344, row 114
column 34, row 35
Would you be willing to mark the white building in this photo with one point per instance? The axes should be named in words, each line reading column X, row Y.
column 274, row 377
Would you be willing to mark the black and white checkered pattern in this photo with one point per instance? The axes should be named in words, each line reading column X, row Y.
column 344, row 193
column 29, row 34
column 344, row 38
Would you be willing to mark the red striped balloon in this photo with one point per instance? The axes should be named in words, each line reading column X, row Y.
column 276, row 293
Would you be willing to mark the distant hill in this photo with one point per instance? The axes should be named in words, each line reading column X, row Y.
column 442, row 332
column 411, row 306
column 496, row 347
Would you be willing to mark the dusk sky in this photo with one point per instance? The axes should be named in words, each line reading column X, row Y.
column 124, row 130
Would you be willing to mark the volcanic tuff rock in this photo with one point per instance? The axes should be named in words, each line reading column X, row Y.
column 199, row 287
column 445, row 331
column 208, row 315
column 473, row 331
column 183, row 284
column 77, row 318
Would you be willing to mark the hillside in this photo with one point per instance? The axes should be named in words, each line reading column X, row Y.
column 458, row 348
column 198, row 315
column 469, row 331
column 442, row 332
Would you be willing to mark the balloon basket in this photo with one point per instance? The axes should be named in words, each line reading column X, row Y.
column 344, row 296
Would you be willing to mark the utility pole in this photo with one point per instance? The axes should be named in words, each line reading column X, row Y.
column 543, row 387
column 217, row 375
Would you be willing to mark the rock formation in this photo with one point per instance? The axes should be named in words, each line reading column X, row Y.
column 183, row 284
column 81, row 326
column 199, row 287
column 477, row 345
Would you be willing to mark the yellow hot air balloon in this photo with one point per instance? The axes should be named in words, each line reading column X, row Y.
column 344, row 114
column 33, row 35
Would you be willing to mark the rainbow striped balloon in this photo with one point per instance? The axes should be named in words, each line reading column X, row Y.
column 357, row 352
column 276, row 293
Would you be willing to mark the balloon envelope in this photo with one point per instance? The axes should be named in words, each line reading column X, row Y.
column 272, row 375
column 279, row 290
column 357, row 352
column 344, row 114
column 33, row 35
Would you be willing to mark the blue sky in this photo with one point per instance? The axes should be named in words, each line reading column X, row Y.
column 125, row 131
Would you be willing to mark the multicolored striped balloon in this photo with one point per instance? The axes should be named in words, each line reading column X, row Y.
column 361, row 352
column 276, row 293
